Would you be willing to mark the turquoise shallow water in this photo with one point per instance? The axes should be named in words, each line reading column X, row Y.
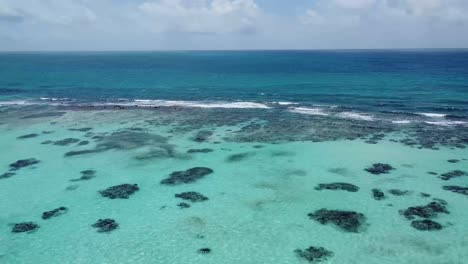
column 266, row 167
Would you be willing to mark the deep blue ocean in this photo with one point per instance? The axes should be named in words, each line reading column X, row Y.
column 434, row 81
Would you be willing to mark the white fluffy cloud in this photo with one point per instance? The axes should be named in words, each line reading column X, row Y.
column 332, row 11
column 202, row 16
column 231, row 24
column 47, row 11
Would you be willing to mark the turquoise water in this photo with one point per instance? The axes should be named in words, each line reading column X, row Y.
column 267, row 155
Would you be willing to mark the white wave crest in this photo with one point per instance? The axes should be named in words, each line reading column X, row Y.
column 307, row 111
column 15, row 102
column 238, row 105
column 357, row 116
column 446, row 123
column 286, row 103
column 433, row 115
column 401, row 122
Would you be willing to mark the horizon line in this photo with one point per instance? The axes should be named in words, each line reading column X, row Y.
column 229, row 50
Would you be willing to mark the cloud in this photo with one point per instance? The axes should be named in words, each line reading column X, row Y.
column 9, row 14
column 231, row 24
column 57, row 12
column 201, row 16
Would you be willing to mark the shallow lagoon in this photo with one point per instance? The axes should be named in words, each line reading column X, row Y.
column 259, row 194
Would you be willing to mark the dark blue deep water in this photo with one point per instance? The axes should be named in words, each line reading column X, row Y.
column 427, row 80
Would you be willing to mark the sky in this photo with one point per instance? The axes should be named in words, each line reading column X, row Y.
column 43, row 25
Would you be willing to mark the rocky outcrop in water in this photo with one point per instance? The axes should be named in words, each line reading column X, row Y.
column 23, row 163
column 123, row 191
column 337, row 186
column 314, row 254
column 24, row 227
column 105, row 225
column 188, row 176
column 379, row 168
column 348, row 221
column 54, row 213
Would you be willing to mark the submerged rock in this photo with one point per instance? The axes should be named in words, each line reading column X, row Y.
column 204, row 150
column 204, row 251
column 122, row 191
column 453, row 160
column 337, row 186
column 85, row 175
column 83, row 143
column 66, row 142
column 105, row 225
column 24, row 227
column 54, row 213
column 379, row 168
column 7, row 175
column 239, row 157
column 430, row 210
column 456, row 189
column 378, row 194
column 28, row 136
column 84, row 129
column 72, row 187
column 314, row 254
column 452, row 174
column 348, row 221
column 187, row 176
column 426, row 225
column 192, row 196
column 183, row 205
column 83, row 152
column 202, row 136
column 398, row 192
column 23, row 163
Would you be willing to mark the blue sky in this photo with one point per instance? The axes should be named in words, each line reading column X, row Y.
column 231, row 24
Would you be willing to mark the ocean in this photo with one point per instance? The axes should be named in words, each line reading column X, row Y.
column 350, row 156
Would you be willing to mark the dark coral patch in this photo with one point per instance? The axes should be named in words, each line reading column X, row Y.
column 105, row 225
column 122, row 191
column 28, row 136
column 204, row 150
column 192, row 196
column 24, row 227
column 23, row 163
column 377, row 194
column 202, row 136
column 430, row 210
column 337, row 186
column 426, row 225
column 44, row 115
column 379, row 168
column 348, row 221
column 83, row 152
column 7, row 175
column 85, row 175
column 204, row 251
column 239, row 157
column 54, row 213
column 398, row 192
column 184, row 205
column 83, row 143
column 314, row 254
column 66, row 142
column 187, row 176
column 456, row 189
column 453, row 160
column 452, row 174
column 84, row 129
